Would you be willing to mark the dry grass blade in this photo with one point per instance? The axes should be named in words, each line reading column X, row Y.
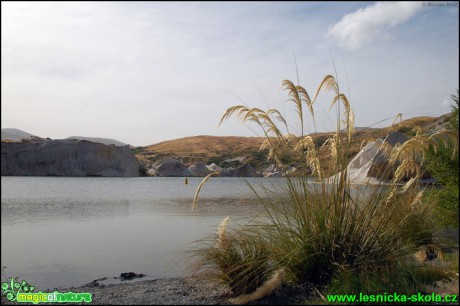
column 398, row 116
column 266, row 289
column 195, row 198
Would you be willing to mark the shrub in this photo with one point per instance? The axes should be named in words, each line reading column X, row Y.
column 444, row 166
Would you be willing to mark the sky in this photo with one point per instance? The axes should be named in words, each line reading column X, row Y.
column 146, row 72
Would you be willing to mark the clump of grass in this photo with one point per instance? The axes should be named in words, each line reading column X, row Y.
column 329, row 233
column 234, row 258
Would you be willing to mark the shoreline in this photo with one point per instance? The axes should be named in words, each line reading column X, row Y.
column 190, row 290
column 163, row 291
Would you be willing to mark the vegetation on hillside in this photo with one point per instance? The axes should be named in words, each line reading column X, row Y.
column 444, row 166
column 337, row 237
column 223, row 151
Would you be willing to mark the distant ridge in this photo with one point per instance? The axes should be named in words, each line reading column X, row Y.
column 208, row 145
column 106, row 141
column 14, row 134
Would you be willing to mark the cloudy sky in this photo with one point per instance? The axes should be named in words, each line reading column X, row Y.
column 144, row 72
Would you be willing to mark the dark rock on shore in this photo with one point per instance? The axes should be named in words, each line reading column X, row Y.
column 170, row 167
column 245, row 170
column 130, row 276
column 199, row 169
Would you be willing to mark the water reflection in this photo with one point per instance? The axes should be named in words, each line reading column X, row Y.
column 62, row 232
column 33, row 212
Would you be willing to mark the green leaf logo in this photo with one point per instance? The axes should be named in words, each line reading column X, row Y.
column 13, row 287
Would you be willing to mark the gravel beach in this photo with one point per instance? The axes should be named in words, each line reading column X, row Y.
column 175, row 291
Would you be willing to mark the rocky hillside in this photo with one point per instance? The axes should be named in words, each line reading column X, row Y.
column 231, row 153
column 200, row 148
column 190, row 156
column 66, row 157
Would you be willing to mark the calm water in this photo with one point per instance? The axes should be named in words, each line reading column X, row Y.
column 63, row 232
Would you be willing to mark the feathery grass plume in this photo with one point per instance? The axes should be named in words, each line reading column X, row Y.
column 327, row 84
column 221, row 233
column 350, row 125
column 333, row 144
column 266, row 289
column 444, row 137
column 341, row 97
column 411, row 154
column 239, row 110
column 417, row 199
column 409, row 184
column 293, row 92
column 278, row 116
column 195, row 198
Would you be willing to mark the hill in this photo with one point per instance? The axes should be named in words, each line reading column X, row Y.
column 225, row 150
column 202, row 148
column 14, row 134
column 107, row 141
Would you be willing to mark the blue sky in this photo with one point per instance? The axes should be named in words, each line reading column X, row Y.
column 144, row 72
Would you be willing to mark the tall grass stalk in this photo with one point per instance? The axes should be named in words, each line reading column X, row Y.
column 329, row 231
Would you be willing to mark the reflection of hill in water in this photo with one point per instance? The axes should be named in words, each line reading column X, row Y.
column 63, row 210
column 220, row 206
column 30, row 211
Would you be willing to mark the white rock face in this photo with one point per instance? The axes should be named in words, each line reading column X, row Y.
column 66, row 157
column 214, row 168
column 368, row 166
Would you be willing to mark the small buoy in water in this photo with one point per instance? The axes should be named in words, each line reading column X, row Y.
column 186, row 181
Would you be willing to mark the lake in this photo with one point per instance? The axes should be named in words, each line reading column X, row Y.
column 58, row 232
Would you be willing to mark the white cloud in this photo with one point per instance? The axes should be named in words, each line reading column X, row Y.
column 362, row 27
